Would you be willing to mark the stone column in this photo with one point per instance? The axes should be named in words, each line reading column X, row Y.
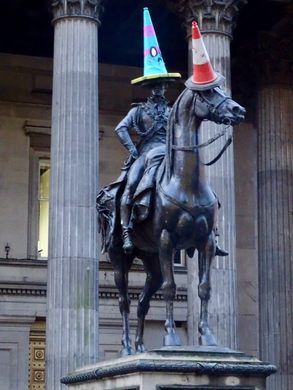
column 275, row 207
column 72, row 308
column 216, row 20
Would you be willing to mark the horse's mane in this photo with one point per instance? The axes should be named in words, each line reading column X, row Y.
column 186, row 101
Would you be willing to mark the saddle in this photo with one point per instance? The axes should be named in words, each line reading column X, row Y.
column 108, row 198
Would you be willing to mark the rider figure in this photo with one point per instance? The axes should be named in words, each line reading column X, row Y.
column 149, row 121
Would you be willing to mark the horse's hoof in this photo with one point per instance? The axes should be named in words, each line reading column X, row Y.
column 207, row 340
column 140, row 348
column 126, row 351
column 172, row 340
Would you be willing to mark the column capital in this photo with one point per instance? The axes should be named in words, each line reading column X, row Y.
column 212, row 16
column 91, row 9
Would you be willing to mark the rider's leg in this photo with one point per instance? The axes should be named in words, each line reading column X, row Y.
column 133, row 178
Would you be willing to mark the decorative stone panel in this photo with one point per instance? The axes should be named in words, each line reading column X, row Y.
column 37, row 346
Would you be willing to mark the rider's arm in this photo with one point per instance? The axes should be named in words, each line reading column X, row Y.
column 122, row 130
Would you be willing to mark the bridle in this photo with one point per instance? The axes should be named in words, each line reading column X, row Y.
column 212, row 107
column 214, row 113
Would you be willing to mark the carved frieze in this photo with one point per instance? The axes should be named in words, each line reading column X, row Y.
column 104, row 293
column 218, row 16
column 77, row 8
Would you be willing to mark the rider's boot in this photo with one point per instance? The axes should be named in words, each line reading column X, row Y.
column 127, row 240
column 125, row 215
column 221, row 252
column 125, row 210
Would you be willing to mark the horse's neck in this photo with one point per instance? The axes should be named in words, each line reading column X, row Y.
column 187, row 168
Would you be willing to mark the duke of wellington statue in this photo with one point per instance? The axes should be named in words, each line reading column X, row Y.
column 162, row 202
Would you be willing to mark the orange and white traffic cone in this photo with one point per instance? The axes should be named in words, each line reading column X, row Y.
column 204, row 77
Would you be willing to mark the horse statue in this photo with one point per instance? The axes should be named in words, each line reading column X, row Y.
column 182, row 214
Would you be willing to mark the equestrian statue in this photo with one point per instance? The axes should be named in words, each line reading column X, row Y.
column 162, row 201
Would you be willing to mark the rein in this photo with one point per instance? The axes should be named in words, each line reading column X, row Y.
column 193, row 148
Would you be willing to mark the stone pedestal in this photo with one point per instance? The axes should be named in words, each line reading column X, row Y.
column 175, row 368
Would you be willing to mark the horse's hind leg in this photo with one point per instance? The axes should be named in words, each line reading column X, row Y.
column 206, row 255
column 121, row 264
column 152, row 284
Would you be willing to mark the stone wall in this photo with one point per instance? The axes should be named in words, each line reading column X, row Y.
column 24, row 95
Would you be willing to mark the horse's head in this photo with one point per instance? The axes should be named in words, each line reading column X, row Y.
column 214, row 105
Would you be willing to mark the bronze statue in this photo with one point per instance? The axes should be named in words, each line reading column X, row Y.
column 173, row 207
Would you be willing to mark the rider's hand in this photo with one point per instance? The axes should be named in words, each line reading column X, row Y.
column 133, row 152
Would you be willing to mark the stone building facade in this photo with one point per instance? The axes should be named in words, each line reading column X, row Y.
column 43, row 136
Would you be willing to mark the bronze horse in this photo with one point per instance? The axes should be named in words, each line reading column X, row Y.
column 182, row 215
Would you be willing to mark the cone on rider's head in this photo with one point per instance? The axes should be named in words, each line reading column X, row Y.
column 154, row 66
column 204, row 77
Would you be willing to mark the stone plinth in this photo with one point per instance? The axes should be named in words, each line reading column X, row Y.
column 175, row 368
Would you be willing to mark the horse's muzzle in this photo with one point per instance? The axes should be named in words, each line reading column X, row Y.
column 235, row 115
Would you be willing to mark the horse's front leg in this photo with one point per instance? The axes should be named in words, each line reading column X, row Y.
column 206, row 255
column 166, row 254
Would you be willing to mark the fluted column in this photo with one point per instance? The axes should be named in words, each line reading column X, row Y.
column 72, row 308
column 275, row 207
column 216, row 19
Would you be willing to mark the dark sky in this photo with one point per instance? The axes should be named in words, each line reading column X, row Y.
column 25, row 28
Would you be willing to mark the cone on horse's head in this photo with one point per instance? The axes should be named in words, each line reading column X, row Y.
column 154, row 66
column 204, row 77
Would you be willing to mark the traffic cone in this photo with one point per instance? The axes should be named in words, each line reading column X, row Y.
column 204, row 77
column 154, row 66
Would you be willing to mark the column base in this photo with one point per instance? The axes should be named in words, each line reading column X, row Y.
column 174, row 368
